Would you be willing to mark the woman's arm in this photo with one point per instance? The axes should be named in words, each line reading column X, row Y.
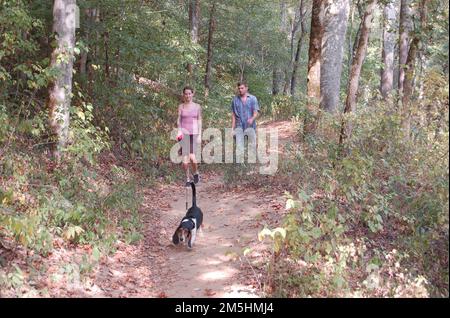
column 199, row 123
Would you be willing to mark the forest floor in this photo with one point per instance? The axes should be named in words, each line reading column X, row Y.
column 154, row 267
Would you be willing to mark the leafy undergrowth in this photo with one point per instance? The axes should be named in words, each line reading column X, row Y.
column 368, row 220
column 59, row 225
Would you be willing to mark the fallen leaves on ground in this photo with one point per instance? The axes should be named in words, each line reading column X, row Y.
column 209, row 292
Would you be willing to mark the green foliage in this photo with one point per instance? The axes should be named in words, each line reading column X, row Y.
column 13, row 279
column 390, row 192
column 76, row 210
column 4, row 124
column 282, row 107
column 88, row 140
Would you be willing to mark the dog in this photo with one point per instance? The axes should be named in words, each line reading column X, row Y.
column 191, row 222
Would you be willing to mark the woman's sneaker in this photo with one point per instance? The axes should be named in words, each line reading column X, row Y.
column 188, row 183
column 196, row 178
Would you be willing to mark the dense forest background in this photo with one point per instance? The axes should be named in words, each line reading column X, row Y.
column 86, row 113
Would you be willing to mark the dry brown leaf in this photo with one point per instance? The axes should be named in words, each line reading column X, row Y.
column 162, row 295
column 209, row 292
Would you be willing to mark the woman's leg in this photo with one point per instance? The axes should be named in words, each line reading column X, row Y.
column 186, row 168
column 194, row 163
column 186, row 156
column 240, row 145
column 193, row 151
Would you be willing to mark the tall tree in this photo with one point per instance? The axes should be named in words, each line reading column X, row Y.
column 277, row 82
column 358, row 5
column 194, row 22
column 410, row 69
column 404, row 29
column 387, row 73
column 313, row 80
column 84, row 53
column 104, row 17
column 62, row 61
column 355, row 71
column 335, row 25
column 294, row 25
column 212, row 26
column 302, row 13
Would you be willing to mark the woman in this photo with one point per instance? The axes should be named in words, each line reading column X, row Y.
column 189, row 131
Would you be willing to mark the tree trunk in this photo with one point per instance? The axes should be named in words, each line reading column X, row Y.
column 117, row 62
column 350, row 35
column 241, row 70
column 404, row 29
column 62, row 61
column 84, row 54
column 335, row 26
column 212, row 26
column 313, row 80
column 277, row 78
column 286, row 66
column 355, row 72
column 106, row 43
column 278, row 71
column 294, row 25
column 95, row 53
column 299, row 46
column 387, row 73
column 294, row 28
column 410, row 70
column 353, row 46
column 194, row 20
column 83, row 63
column 97, row 18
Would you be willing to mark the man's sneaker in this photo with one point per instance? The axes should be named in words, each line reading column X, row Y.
column 188, row 183
column 196, row 178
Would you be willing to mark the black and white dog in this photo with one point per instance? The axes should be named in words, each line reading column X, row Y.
column 191, row 222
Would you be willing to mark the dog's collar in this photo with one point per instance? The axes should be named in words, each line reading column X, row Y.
column 192, row 220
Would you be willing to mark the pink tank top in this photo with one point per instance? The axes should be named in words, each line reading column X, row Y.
column 189, row 120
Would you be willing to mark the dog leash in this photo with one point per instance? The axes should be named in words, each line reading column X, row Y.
column 185, row 196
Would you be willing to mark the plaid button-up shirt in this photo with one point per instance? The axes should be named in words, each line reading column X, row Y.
column 244, row 112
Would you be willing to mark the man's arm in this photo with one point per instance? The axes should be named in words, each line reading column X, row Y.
column 252, row 119
column 255, row 114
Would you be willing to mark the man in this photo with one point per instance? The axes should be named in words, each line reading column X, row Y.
column 244, row 109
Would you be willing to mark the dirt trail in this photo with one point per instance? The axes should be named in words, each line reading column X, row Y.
column 232, row 220
column 210, row 268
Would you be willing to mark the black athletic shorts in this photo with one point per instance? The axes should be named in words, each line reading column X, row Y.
column 189, row 144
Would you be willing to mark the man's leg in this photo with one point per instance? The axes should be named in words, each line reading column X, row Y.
column 250, row 136
column 239, row 133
